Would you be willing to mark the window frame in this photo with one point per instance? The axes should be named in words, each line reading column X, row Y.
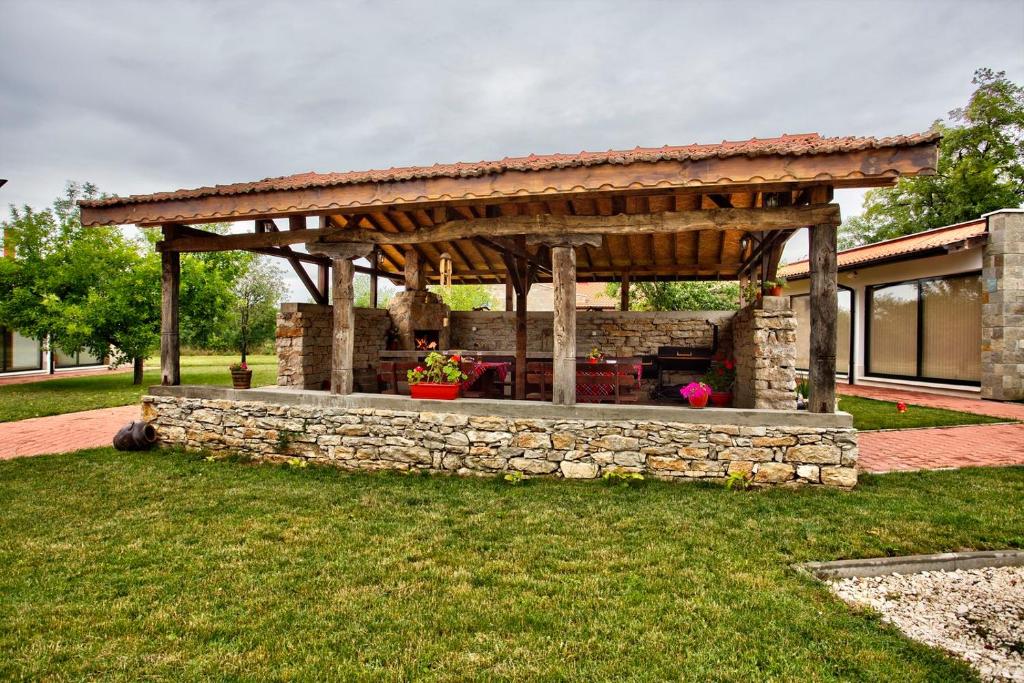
column 851, row 373
column 6, row 333
column 869, row 300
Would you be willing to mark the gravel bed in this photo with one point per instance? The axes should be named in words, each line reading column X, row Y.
column 975, row 614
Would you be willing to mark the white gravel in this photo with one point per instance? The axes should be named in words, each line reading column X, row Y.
column 975, row 614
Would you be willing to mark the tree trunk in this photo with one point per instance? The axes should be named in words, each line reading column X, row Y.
column 137, row 371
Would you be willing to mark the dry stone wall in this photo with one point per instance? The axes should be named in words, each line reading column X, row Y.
column 616, row 333
column 1002, row 308
column 764, row 337
column 467, row 444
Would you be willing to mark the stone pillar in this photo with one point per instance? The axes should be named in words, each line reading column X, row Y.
column 1002, row 308
column 764, row 347
column 343, row 343
column 415, row 277
column 563, row 271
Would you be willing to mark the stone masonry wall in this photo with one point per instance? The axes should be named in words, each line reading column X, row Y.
column 1002, row 308
column 304, row 343
column 616, row 333
column 764, row 340
column 377, row 439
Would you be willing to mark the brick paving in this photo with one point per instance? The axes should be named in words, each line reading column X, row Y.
column 1012, row 411
column 942, row 448
column 63, row 433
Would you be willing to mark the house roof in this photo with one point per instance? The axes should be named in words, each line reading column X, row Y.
column 784, row 145
column 907, row 245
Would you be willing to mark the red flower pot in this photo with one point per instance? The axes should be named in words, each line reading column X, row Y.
column 698, row 400
column 776, row 291
column 721, row 399
column 441, row 392
column 592, row 361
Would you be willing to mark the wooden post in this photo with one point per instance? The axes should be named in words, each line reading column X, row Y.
column 343, row 345
column 563, row 271
column 508, row 295
column 374, row 281
column 521, row 295
column 323, row 281
column 624, row 293
column 824, row 311
column 170, row 344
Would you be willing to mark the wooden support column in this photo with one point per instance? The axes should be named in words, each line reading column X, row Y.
column 522, row 292
column 624, row 293
column 374, row 280
column 170, row 344
column 824, row 311
column 344, row 335
column 509, row 291
column 563, row 269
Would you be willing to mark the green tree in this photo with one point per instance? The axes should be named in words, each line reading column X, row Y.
column 361, row 291
column 257, row 295
column 81, row 288
column 680, row 296
column 464, row 297
column 980, row 169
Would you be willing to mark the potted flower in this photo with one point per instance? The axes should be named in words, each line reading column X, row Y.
column 241, row 375
column 696, row 393
column 437, row 378
column 595, row 356
column 774, row 287
column 720, row 377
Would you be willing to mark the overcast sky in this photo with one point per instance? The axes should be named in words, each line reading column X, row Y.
column 149, row 96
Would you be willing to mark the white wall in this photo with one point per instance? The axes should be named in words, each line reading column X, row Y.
column 966, row 261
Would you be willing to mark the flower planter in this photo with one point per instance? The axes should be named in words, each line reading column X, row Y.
column 441, row 392
column 776, row 291
column 592, row 361
column 721, row 399
column 698, row 401
column 241, row 379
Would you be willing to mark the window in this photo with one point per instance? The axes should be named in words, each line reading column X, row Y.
column 19, row 353
column 802, row 310
column 927, row 329
column 73, row 360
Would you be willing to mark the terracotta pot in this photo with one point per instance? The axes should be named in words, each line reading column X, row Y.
column 241, row 379
column 698, row 401
column 592, row 361
column 776, row 291
column 441, row 392
column 721, row 399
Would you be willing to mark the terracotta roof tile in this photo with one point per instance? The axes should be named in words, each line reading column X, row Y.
column 898, row 246
column 784, row 145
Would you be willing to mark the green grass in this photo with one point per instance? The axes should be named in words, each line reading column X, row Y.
column 110, row 389
column 167, row 567
column 869, row 413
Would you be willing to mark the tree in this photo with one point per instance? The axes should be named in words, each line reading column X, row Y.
column 79, row 288
column 980, row 169
column 464, row 297
column 680, row 296
column 361, row 291
column 257, row 295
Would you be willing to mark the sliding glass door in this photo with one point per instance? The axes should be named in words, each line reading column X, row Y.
column 927, row 329
column 802, row 310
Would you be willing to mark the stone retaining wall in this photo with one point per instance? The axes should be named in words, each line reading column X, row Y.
column 764, row 337
column 371, row 438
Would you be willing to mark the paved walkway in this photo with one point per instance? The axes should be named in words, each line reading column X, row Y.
column 942, row 448
column 63, row 433
column 45, row 377
column 1012, row 411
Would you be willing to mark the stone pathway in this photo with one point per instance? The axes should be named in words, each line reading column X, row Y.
column 63, row 433
column 1012, row 411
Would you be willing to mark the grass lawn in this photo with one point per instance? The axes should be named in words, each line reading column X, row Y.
column 869, row 413
column 58, row 396
column 166, row 566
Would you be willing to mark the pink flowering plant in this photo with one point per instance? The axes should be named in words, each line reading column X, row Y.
column 695, row 390
column 236, row 367
column 438, row 369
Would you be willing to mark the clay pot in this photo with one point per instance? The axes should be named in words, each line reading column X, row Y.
column 721, row 399
column 698, row 401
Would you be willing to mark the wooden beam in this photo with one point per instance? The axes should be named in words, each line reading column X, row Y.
column 343, row 342
column 522, row 292
column 747, row 219
column 824, row 312
column 374, row 282
column 624, row 293
column 563, row 266
column 509, row 291
column 170, row 342
column 318, row 293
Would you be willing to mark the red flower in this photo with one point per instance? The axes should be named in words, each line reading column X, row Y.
column 456, row 359
column 729, row 365
column 901, row 407
column 419, row 368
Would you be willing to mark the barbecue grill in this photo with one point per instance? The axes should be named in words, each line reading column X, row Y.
column 690, row 359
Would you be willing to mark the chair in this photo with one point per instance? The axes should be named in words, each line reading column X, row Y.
column 538, row 381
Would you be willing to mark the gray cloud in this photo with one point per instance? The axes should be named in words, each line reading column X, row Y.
column 147, row 96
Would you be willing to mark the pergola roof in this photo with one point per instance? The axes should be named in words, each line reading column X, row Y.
column 730, row 183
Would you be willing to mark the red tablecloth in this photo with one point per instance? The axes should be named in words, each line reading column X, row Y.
column 474, row 372
column 596, row 392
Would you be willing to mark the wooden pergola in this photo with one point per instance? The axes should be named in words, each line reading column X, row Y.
column 699, row 212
